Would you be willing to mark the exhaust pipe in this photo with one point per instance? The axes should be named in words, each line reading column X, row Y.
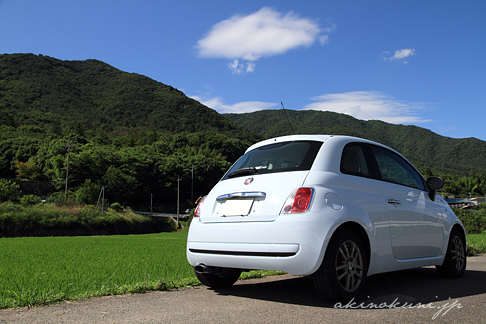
column 202, row 268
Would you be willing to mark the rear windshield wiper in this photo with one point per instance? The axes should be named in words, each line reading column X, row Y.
column 243, row 171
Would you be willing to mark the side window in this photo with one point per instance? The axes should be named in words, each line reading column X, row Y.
column 353, row 161
column 394, row 168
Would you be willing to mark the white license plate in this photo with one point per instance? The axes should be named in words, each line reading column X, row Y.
column 236, row 207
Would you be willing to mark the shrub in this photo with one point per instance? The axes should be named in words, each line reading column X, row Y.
column 116, row 207
column 474, row 220
column 72, row 220
column 60, row 198
column 30, row 200
column 8, row 190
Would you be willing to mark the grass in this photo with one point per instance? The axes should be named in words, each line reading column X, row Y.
column 476, row 243
column 45, row 270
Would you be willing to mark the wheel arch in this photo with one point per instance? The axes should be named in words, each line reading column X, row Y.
column 360, row 231
column 460, row 228
column 326, row 279
column 455, row 261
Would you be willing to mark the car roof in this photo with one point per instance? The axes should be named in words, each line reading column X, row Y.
column 339, row 140
column 320, row 138
column 289, row 138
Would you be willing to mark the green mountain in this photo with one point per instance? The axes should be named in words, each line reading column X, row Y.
column 143, row 140
column 138, row 138
column 421, row 146
column 42, row 91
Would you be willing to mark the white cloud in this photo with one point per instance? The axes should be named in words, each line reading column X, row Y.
column 261, row 34
column 237, row 108
column 237, row 68
column 400, row 55
column 369, row 105
column 364, row 105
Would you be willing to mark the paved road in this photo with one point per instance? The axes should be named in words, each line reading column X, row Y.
column 285, row 299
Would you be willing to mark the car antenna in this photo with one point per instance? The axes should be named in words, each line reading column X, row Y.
column 287, row 118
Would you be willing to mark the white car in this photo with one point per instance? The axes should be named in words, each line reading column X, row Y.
column 337, row 208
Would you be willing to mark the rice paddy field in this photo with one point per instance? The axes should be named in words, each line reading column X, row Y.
column 45, row 270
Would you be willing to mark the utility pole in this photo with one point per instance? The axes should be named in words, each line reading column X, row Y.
column 103, row 203
column 178, row 180
column 67, row 171
column 102, row 197
column 99, row 197
column 192, row 184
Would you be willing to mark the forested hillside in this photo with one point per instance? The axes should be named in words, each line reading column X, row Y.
column 142, row 139
column 127, row 132
column 92, row 95
column 421, row 146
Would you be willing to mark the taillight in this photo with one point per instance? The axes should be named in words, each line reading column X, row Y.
column 197, row 212
column 298, row 201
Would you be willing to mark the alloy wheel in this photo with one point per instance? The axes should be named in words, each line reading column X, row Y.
column 349, row 266
column 457, row 253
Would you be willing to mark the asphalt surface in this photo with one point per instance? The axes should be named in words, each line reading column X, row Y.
column 411, row 296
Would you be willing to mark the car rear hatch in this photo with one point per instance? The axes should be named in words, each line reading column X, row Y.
column 258, row 184
column 258, row 198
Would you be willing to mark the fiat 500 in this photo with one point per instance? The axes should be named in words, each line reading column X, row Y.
column 337, row 208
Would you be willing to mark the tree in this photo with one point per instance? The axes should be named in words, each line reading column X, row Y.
column 3, row 166
column 8, row 190
column 87, row 193
column 79, row 128
column 428, row 173
column 28, row 170
column 6, row 119
column 152, row 138
column 56, row 129
column 56, row 171
column 118, row 182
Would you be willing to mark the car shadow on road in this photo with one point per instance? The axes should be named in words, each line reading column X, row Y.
column 423, row 285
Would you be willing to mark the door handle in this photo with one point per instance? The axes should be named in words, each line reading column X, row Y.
column 394, row 201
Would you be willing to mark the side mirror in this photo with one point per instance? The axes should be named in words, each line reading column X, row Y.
column 434, row 184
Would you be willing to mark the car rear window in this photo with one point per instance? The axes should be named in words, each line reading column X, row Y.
column 278, row 157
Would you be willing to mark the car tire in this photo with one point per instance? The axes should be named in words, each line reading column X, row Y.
column 342, row 273
column 223, row 278
column 455, row 259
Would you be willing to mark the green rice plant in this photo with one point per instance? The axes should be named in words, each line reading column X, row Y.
column 476, row 243
column 42, row 270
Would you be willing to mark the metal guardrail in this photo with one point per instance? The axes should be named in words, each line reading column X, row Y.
column 181, row 216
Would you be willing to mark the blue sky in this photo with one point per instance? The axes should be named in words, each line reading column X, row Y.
column 405, row 62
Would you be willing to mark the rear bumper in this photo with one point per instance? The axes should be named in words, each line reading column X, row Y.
column 292, row 243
